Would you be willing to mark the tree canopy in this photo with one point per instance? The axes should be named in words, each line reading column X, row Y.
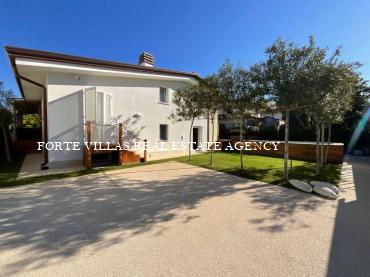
column 5, row 105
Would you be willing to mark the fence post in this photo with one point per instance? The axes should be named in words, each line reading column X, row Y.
column 120, row 134
column 145, row 150
column 86, row 152
column 88, row 132
column 121, row 152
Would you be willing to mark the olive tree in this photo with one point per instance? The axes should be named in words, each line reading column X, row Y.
column 189, row 106
column 285, row 72
column 330, row 88
column 212, row 100
column 242, row 96
column 339, row 98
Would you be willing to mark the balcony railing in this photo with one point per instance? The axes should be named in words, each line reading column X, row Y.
column 102, row 132
column 108, row 133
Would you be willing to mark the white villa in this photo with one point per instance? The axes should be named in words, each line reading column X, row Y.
column 69, row 91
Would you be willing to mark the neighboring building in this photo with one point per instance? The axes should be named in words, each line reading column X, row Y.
column 229, row 127
column 72, row 90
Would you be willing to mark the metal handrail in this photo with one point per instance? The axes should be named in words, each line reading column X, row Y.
column 128, row 131
column 115, row 125
column 99, row 124
column 90, row 133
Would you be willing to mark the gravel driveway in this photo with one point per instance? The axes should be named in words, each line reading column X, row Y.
column 167, row 219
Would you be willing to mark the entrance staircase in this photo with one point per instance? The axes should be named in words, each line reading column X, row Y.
column 117, row 156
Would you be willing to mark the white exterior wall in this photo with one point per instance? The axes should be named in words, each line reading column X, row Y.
column 130, row 96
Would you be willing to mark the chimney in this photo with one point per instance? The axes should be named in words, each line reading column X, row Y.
column 146, row 59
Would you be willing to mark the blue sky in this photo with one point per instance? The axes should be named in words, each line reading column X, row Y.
column 185, row 35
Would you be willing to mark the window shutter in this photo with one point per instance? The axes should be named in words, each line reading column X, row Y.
column 90, row 104
column 108, row 108
column 100, row 108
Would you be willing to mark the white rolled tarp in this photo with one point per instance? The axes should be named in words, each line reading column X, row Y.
column 325, row 191
column 300, row 185
column 325, row 184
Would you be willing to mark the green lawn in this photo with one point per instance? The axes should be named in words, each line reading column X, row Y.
column 9, row 172
column 266, row 169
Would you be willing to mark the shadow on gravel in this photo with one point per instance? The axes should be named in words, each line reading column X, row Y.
column 281, row 206
column 56, row 219
column 350, row 249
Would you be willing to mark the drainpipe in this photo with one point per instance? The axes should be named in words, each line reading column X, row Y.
column 44, row 165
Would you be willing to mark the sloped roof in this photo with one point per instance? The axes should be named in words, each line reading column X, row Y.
column 16, row 52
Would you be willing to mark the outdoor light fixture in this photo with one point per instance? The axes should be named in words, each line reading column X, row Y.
column 137, row 115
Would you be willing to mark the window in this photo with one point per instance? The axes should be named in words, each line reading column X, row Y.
column 163, row 95
column 163, row 132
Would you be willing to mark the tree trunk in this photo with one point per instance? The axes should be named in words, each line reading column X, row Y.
column 322, row 144
column 6, row 144
column 190, row 139
column 317, row 148
column 286, row 145
column 213, row 134
column 328, row 144
column 241, row 141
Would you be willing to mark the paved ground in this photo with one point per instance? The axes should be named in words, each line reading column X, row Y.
column 177, row 220
column 31, row 166
column 31, row 163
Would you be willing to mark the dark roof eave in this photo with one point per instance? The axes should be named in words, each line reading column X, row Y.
column 16, row 52
column 15, row 72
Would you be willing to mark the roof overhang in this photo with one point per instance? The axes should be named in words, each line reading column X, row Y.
column 35, row 64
